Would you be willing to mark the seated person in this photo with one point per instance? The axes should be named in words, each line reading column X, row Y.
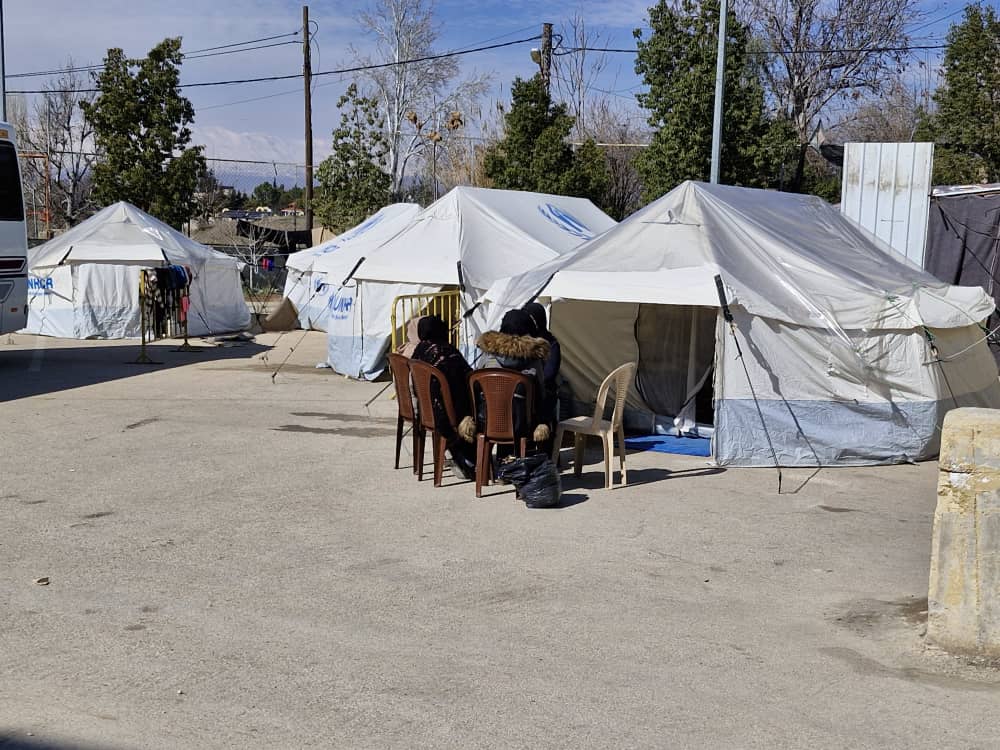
column 515, row 347
column 435, row 349
column 550, row 400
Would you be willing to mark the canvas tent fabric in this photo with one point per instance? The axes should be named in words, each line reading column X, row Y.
column 85, row 282
column 315, row 276
column 962, row 241
column 487, row 233
column 838, row 331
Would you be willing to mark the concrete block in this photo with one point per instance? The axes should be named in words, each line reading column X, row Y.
column 963, row 603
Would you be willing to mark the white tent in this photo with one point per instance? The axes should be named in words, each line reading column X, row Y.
column 85, row 282
column 853, row 353
column 315, row 275
column 486, row 233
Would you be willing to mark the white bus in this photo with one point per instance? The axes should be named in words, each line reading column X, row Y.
column 13, row 238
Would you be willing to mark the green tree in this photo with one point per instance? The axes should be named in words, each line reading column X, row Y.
column 677, row 62
column 535, row 154
column 266, row 194
column 142, row 132
column 352, row 183
column 966, row 125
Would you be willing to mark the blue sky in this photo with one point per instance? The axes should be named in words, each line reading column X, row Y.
column 43, row 35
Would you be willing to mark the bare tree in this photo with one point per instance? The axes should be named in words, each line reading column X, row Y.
column 822, row 50
column 55, row 126
column 893, row 118
column 407, row 30
column 577, row 69
column 615, row 129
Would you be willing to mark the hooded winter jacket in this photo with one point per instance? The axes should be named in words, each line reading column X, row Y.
column 523, row 354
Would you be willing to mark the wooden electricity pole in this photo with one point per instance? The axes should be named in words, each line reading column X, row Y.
column 545, row 62
column 307, row 81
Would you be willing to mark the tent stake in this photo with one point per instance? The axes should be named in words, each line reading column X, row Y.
column 728, row 315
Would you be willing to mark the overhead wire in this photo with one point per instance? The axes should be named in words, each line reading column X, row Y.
column 291, row 76
column 227, row 49
column 872, row 50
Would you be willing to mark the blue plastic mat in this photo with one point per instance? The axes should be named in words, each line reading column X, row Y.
column 686, row 446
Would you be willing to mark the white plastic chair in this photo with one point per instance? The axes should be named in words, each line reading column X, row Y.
column 621, row 379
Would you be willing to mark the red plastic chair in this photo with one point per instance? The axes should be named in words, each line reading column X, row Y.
column 497, row 389
column 423, row 375
column 400, row 368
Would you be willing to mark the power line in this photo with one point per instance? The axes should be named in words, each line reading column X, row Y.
column 289, row 92
column 873, row 50
column 938, row 20
column 192, row 55
column 292, row 76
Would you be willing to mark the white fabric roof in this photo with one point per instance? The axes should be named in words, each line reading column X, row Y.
column 494, row 233
column 122, row 233
column 332, row 255
column 789, row 257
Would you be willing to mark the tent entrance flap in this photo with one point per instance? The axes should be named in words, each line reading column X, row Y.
column 447, row 305
column 676, row 356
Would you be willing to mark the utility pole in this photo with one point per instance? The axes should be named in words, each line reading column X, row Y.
column 307, row 81
column 720, row 79
column 545, row 62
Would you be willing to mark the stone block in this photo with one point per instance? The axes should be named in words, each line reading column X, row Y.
column 963, row 603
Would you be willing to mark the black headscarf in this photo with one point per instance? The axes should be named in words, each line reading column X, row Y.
column 517, row 323
column 432, row 328
column 537, row 313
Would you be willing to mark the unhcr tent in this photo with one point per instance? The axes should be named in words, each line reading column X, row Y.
column 85, row 282
column 852, row 354
column 465, row 240
column 315, row 275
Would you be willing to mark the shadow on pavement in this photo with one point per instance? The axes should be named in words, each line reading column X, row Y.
column 10, row 742
column 594, row 479
column 48, row 368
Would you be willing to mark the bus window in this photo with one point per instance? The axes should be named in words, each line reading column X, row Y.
column 11, row 201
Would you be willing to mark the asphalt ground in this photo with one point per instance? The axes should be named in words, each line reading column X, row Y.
column 233, row 562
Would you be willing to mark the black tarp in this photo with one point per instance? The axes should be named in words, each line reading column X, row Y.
column 963, row 245
column 287, row 240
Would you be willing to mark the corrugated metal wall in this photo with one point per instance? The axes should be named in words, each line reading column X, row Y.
column 886, row 188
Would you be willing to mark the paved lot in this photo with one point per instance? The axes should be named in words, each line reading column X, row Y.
column 234, row 563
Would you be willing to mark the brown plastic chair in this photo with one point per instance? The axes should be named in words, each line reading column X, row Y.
column 423, row 375
column 400, row 367
column 621, row 379
column 498, row 389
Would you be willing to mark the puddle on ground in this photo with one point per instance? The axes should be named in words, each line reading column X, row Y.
column 358, row 432
column 897, row 628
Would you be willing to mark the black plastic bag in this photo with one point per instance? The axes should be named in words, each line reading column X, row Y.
column 535, row 477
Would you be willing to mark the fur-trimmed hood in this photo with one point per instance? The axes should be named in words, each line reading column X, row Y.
column 513, row 347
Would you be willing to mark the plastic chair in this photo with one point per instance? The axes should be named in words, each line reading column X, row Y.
column 497, row 388
column 423, row 375
column 621, row 379
column 400, row 367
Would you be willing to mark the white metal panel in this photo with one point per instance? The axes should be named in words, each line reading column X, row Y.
column 886, row 189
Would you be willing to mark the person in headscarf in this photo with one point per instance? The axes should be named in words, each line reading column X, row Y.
column 515, row 347
column 551, row 371
column 435, row 349
column 412, row 337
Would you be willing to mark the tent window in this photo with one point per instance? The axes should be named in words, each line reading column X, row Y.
column 670, row 367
